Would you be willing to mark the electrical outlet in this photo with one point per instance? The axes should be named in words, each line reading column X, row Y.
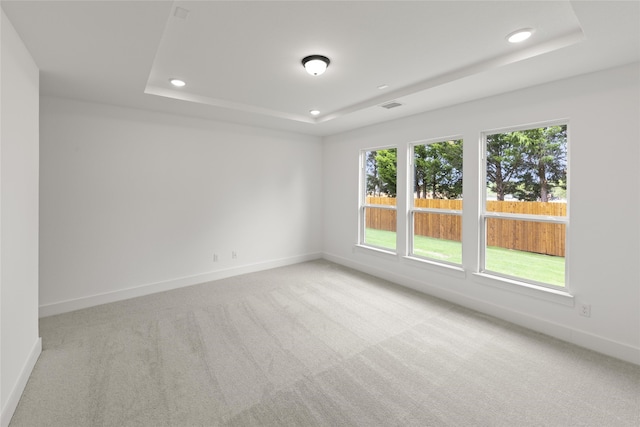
column 234, row 254
column 215, row 257
column 585, row 310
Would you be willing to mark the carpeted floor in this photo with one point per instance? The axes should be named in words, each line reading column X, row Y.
column 314, row 344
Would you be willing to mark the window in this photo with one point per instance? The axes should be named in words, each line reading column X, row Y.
column 378, row 211
column 436, row 207
column 524, row 218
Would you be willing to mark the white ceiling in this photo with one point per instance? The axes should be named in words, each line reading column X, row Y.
column 241, row 60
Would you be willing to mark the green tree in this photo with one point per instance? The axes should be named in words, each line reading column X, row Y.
column 545, row 162
column 387, row 165
column 373, row 178
column 529, row 164
column 438, row 170
column 505, row 163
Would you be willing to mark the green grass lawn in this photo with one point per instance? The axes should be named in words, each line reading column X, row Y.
column 526, row 265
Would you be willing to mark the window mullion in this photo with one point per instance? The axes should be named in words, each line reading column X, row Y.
column 525, row 217
column 438, row 211
column 374, row 206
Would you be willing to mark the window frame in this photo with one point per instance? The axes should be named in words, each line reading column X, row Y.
column 485, row 215
column 412, row 209
column 363, row 205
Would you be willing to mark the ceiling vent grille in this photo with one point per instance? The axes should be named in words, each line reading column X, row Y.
column 391, row 104
column 181, row 12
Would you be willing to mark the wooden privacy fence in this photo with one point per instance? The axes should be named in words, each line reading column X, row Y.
column 538, row 237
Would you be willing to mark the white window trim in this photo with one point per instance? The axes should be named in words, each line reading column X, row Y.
column 555, row 293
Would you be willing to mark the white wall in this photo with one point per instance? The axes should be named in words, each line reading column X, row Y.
column 134, row 202
column 19, row 341
column 603, row 110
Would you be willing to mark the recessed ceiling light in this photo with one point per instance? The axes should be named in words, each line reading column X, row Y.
column 520, row 35
column 177, row 82
column 383, row 87
column 314, row 112
column 315, row 64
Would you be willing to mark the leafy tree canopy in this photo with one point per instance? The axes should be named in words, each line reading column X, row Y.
column 381, row 168
column 387, row 161
column 528, row 164
column 438, row 170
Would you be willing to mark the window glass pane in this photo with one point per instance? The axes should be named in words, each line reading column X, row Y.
column 380, row 189
column 528, row 208
column 528, row 250
column 437, row 171
column 380, row 228
column 437, row 236
column 381, row 176
column 527, row 165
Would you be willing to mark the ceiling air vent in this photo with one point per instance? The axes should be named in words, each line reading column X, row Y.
column 181, row 12
column 391, row 104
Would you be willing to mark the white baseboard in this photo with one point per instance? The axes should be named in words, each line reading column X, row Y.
column 21, row 383
column 587, row 340
column 138, row 291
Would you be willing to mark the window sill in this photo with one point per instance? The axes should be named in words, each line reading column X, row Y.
column 437, row 267
column 372, row 250
column 540, row 292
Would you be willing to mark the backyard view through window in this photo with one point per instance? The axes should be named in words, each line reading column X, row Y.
column 525, row 214
column 378, row 212
column 436, row 210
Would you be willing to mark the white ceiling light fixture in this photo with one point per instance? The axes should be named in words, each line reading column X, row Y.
column 315, row 64
column 314, row 112
column 519, row 36
column 177, row 82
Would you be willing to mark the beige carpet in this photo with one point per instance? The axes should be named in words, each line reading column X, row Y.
column 314, row 344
